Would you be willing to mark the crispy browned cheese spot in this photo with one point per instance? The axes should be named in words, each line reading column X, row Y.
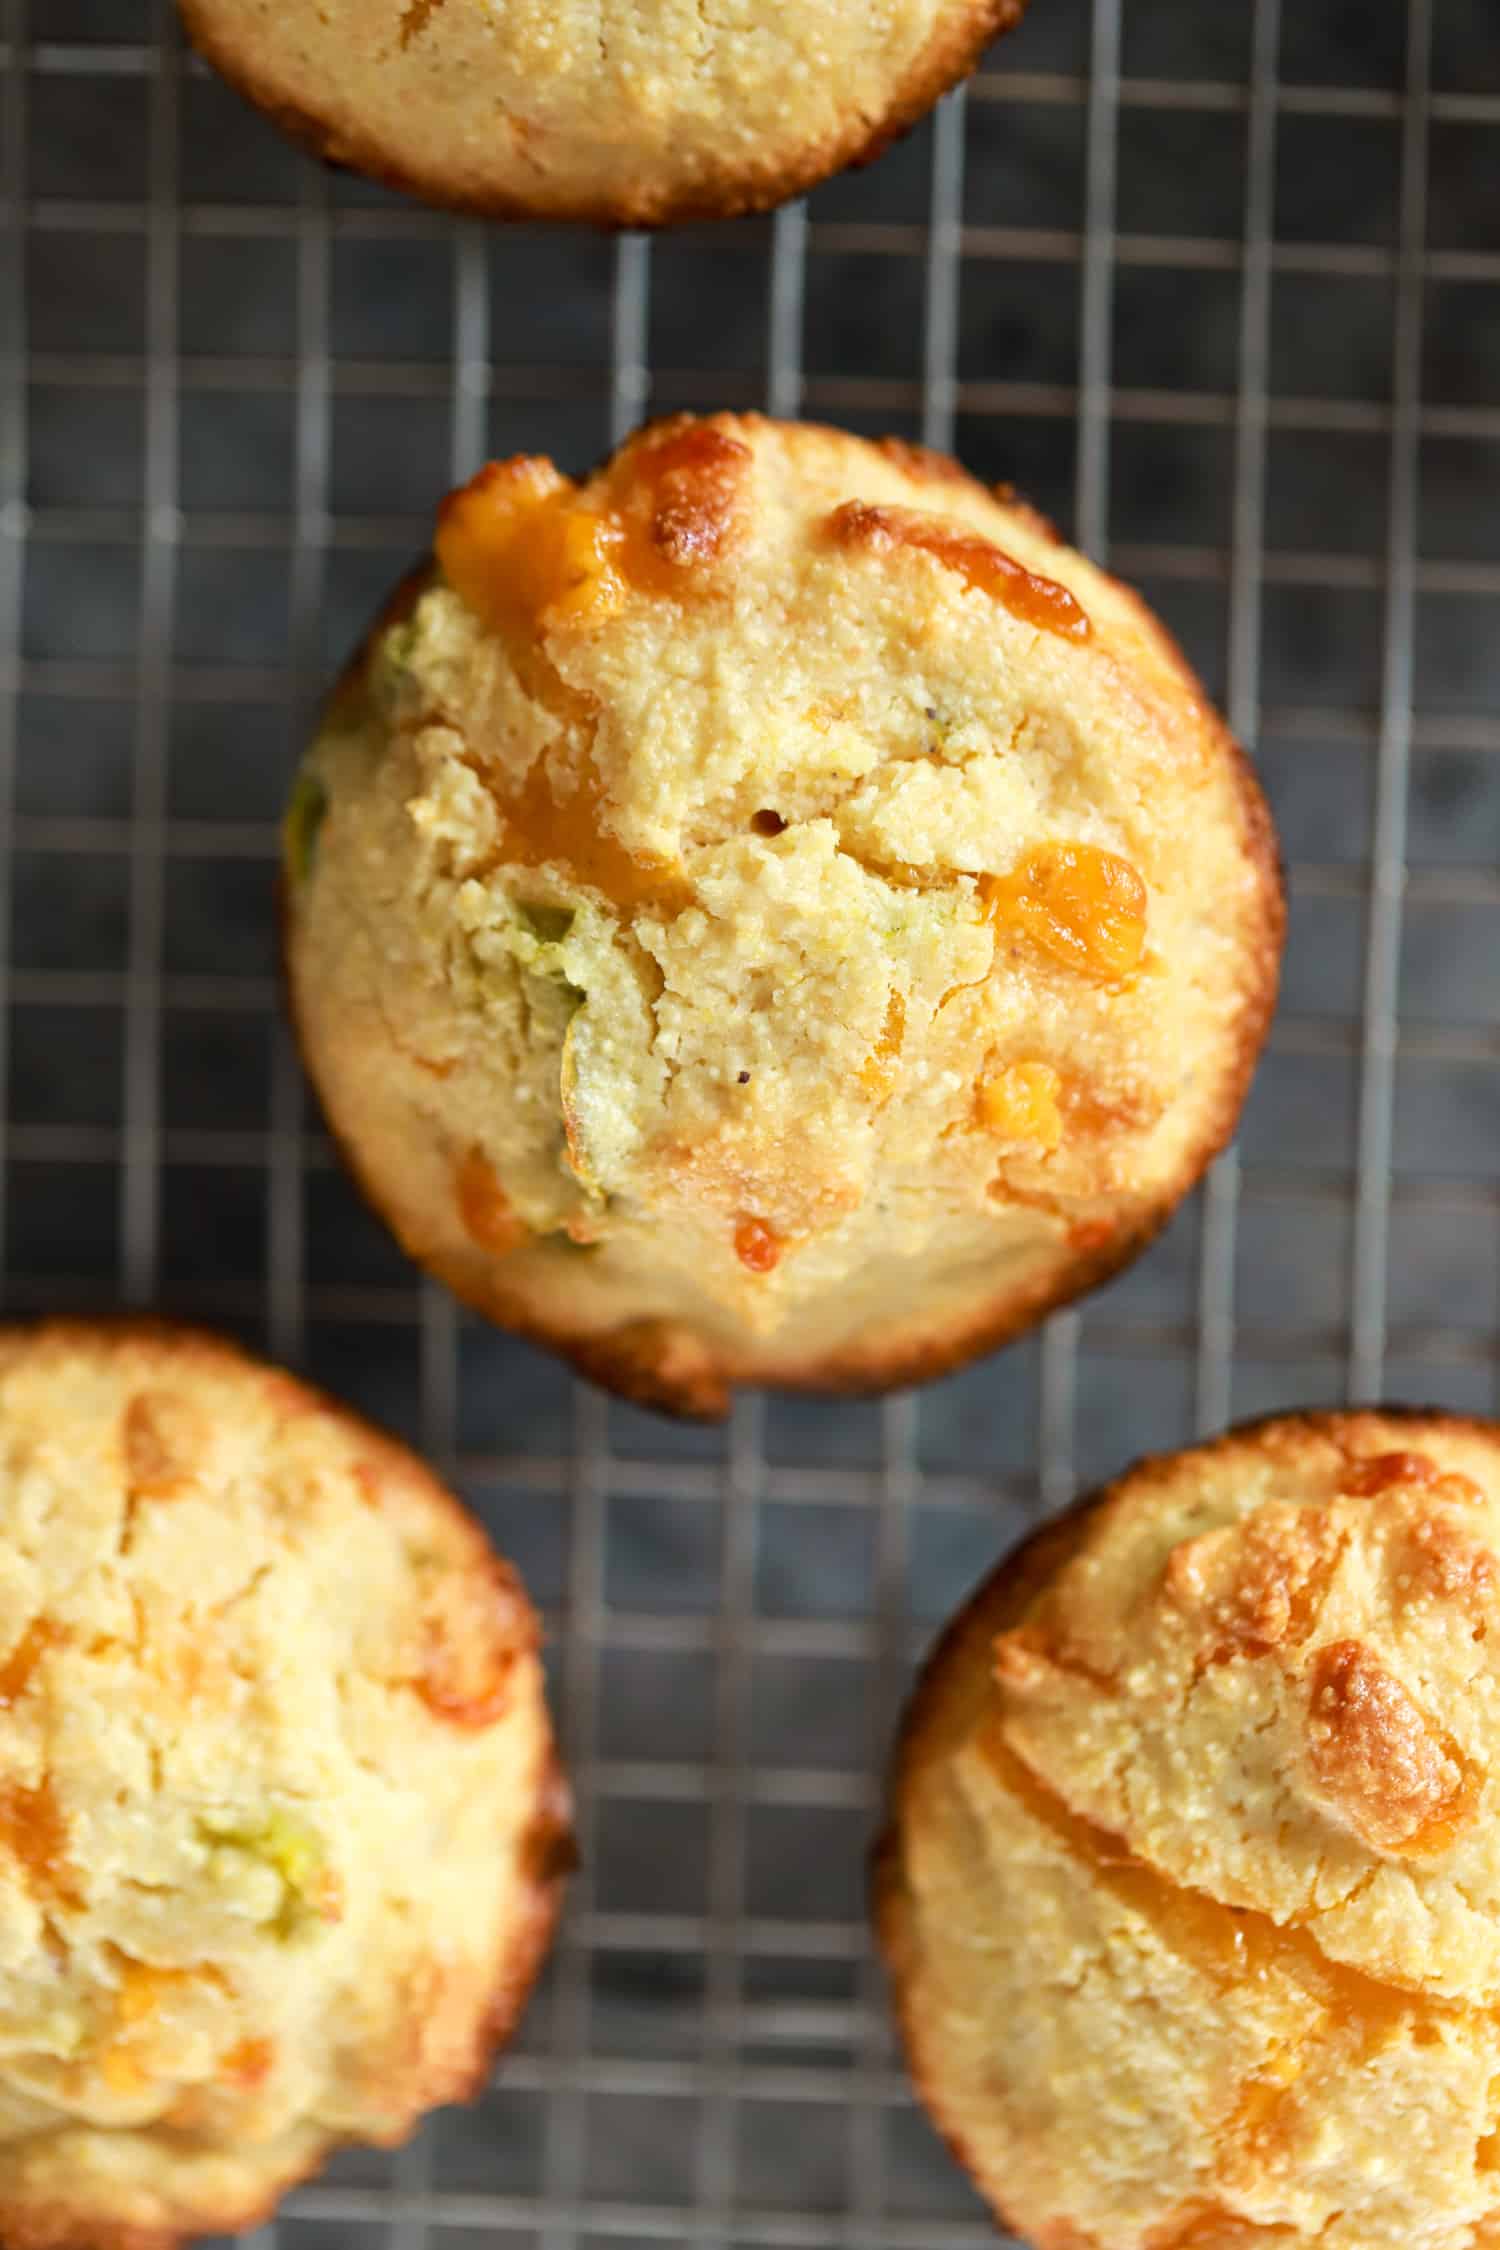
column 1258, row 1590
column 475, row 1629
column 1024, row 1656
column 1382, row 1766
column 417, row 15
column 163, row 1437
column 689, row 483
column 1375, row 1473
column 1029, row 597
column 1444, row 1559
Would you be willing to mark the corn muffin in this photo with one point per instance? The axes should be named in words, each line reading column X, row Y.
column 772, row 912
column 281, row 1825
column 1191, row 1895
column 622, row 112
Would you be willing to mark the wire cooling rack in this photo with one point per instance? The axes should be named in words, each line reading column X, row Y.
column 1220, row 289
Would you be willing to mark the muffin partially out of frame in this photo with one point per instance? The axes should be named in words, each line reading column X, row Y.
column 281, row 1825
column 773, row 913
column 624, row 112
column 1191, row 1895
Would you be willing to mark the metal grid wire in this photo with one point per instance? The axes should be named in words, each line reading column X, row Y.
column 1218, row 287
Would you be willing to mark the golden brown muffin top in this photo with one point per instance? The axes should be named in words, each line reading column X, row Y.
column 782, row 845
column 628, row 112
column 276, row 1768
column 1276, row 1676
column 1191, row 1891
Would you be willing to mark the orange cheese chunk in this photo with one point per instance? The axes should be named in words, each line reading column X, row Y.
column 541, row 826
column 474, row 1631
column 484, row 1207
column 518, row 550
column 123, row 2071
column 758, row 1246
column 521, row 548
column 143, row 1989
column 34, row 1833
column 1029, row 597
column 19, row 1665
column 131, row 2060
column 877, row 1073
column 247, row 2064
column 1021, row 1104
column 1077, row 905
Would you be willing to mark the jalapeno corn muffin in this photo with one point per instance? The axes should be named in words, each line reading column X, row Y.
column 280, row 1821
column 624, row 112
column 773, row 913
column 1191, row 1896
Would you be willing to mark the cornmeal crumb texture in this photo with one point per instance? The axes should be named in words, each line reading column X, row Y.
column 1191, row 1896
column 629, row 112
column 773, row 912
column 279, row 1817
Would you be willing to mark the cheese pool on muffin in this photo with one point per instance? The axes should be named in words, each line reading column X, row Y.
column 771, row 912
column 624, row 112
column 281, row 1826
column 1191, row 1896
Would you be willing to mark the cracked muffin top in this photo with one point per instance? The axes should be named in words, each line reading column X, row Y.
column 616, row 111
column 1192, row 1894
column 772, row 911
column 279, row 1815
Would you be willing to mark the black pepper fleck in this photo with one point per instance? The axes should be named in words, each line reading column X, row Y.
column 744, row 1077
